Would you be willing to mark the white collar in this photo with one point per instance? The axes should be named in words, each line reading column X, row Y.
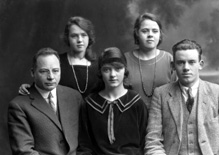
column 45, row 93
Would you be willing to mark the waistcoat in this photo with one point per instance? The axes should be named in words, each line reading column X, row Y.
column 189, row 143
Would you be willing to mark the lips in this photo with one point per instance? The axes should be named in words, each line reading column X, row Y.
column 50, row 84
column 79, row 46
column 112, row 80
column 150, row 40
column 186, row 75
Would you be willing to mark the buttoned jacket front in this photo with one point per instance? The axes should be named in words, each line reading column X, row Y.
column 164, row 131
column 34, row 128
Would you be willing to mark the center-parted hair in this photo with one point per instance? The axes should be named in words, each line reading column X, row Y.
column 187, row 44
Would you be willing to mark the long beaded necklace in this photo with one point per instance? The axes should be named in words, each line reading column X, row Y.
column 142, row 82
column 76, row 80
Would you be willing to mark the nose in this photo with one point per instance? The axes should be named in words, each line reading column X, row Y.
column 50, row 76
column 186, row 67
column 150, row 33
column 79, row 38
column 112, row 73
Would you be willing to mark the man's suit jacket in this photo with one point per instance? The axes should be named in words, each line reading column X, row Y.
column 164, row 131
column 35, row 129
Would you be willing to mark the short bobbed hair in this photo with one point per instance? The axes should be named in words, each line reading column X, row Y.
column 138, row 22
column 114, row 57
column 85, row 25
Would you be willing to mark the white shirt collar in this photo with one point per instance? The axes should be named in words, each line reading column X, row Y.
column 194, row 89
column 45, row 93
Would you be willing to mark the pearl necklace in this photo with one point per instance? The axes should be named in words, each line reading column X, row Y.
column 142, row 82
column 76, row 80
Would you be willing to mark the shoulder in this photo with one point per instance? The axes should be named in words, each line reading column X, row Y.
column 210, row 86
column 63, row 55
column 128, row 54
column 166, row 87
column 20, row 99
column 132, row 98
column 166, row 55
column 64, row 90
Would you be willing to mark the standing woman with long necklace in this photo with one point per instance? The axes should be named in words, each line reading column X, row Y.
column 149, row 66
column 78, row 65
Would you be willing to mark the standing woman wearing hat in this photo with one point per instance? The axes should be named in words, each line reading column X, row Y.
column 149, row 66
column 78, row 65
column 114, row 118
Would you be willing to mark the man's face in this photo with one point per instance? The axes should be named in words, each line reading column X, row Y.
column 187, row 66
column 47, row 73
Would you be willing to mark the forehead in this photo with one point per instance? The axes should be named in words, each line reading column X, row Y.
column 76, row 29
column 190, row 54
column 48, row 61
column 147, row 23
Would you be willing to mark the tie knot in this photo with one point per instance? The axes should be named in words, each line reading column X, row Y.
column 50, row 95
column 189, row 92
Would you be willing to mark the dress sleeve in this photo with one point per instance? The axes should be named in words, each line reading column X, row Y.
column 85, row 145
column 143, row 119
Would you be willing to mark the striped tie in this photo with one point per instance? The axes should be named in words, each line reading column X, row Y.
column 190, row 100
column 51, row 103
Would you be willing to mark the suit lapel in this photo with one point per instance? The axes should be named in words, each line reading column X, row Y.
column 202, row 106
column 40, row 104
column 66, row 112
column 175, row 107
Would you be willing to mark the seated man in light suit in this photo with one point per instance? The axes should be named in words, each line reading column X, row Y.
column 42, row 125
column 183, row 117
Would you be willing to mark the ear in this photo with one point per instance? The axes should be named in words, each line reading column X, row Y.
column 136, row 32
column 201, row 64
column 32, row 72
column 172, row 65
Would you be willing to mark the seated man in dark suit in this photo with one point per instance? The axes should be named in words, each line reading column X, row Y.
column 45, row 122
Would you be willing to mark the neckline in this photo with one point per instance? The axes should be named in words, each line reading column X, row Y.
column 105, row 98
column 88, row 63
column 150, row 61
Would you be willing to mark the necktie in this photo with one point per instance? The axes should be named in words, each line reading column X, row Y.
column 110, row 127
column 190, row 100
column 51, row 103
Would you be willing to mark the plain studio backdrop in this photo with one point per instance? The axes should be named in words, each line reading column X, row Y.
column 28, row 25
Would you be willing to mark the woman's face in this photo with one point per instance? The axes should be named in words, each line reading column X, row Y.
column 149, row 34
column 78, row 39
column 113, row 75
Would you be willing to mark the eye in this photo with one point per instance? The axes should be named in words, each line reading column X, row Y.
column 43, row 71
column 73, row 35
column 155, row 30
column 84, row 35
column 144, row 30
column 118, row 68
column 179, row 62
column 56, row 71
column 105, row 69
column 192, row 62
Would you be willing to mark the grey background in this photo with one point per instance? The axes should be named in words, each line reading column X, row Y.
column 28, row 25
